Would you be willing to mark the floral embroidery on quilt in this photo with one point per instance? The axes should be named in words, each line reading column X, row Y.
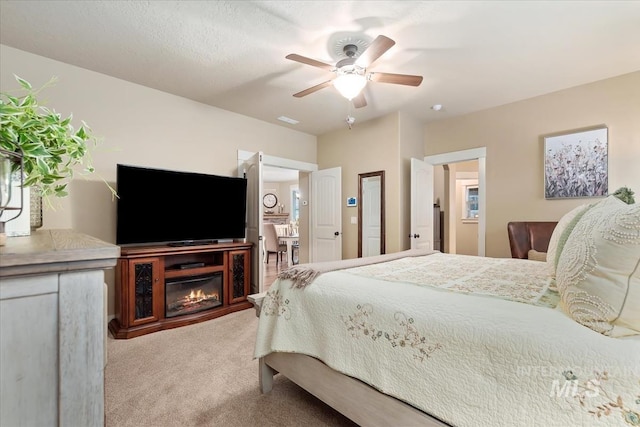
column 606, row 403
column 275, row 305
column 505, row 278
column 406, row 336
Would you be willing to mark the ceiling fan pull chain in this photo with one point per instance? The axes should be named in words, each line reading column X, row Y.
column 350, row 119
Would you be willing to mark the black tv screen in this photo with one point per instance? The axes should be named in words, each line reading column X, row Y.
column 165, row 206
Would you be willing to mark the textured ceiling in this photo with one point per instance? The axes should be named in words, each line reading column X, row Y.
column 231, row 54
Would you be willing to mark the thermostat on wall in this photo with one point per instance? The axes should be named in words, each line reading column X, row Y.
column 352, row 201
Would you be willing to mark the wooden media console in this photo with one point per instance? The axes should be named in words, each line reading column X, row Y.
column 161, row 287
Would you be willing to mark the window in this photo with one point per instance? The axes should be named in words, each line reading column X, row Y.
column 471, row 201
column 295, row 204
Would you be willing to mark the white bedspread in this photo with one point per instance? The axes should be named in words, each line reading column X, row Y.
column 470, row 360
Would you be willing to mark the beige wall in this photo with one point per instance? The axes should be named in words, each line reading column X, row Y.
column 387, row 143
column 145, row 127
column 303, row 223
column 513, row 135
column 282, row 191
column 367, row 147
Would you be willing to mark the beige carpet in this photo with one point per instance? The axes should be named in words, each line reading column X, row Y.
column 203, row 375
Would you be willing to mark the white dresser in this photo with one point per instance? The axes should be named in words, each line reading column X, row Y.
column 52, row 329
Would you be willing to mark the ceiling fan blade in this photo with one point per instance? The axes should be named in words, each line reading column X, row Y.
column 398, row 79
column 360, row 101
column 309, row 61
column 375, row 50
column 312, row 89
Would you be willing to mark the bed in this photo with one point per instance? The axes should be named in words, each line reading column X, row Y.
column 426, row 338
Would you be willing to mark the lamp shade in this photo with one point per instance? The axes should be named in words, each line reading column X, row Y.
column 350, row 84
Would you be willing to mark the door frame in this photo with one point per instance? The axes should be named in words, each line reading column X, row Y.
column 281, row 162
column 479, row 154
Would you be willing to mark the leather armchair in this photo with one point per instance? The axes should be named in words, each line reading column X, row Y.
column 527, row 235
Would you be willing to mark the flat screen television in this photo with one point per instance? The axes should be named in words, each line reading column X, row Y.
column 158, row 206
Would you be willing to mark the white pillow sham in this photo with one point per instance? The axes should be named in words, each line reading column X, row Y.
column 598, row 271
column 561, row 232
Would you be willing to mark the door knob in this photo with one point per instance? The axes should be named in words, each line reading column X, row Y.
column 416, row 236
column 337, row 233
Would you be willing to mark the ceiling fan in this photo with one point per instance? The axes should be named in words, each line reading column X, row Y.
column 351, row 73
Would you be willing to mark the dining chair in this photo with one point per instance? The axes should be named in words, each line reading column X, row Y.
column 272, row 243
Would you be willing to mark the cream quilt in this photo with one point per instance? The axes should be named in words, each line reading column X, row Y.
column 472, row 341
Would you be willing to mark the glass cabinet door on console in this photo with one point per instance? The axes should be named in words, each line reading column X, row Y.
column 239, row 275
column 144, row 291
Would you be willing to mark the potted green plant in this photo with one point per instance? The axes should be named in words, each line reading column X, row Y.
column 625, row 194
column 51, row 148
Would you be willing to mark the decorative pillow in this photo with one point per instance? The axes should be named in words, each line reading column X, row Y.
column 563, row 228
column 536, row 256
column 598, row 273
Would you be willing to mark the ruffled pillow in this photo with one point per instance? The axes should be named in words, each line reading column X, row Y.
column 598, row 271
column 560, row 234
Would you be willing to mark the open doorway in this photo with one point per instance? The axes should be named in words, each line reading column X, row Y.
column 475, row 154
column 283, row 187
column 278, row 181
column 281, row 209
column 456, row 196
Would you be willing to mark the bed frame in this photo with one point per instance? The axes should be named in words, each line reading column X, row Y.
column 354, row 399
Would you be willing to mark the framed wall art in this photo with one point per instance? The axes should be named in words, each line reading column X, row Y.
column 576, row 164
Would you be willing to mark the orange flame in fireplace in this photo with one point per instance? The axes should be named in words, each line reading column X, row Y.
column 199, row 295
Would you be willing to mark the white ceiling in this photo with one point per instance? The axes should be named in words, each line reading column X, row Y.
column 231, row 54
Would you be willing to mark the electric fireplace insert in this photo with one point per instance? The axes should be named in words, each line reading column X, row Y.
column 192, row 294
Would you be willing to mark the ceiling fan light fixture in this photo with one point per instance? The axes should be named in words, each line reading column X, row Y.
column 351, row 71
column 350, row 84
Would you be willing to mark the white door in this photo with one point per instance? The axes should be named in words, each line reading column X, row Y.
column 421, row 233
column 253, row 173
column 326, row 215
column 371, row 216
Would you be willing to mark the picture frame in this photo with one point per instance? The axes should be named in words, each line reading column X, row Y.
column 576, row 164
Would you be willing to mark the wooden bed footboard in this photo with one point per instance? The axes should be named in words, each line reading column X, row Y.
column 351, row 397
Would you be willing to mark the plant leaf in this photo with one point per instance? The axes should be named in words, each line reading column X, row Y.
column 25, row 84
column 51, row 148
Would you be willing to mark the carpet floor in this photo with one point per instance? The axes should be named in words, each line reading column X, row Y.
column 203, row 375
